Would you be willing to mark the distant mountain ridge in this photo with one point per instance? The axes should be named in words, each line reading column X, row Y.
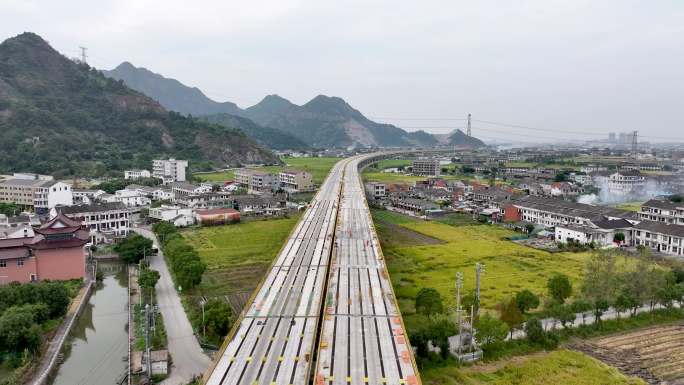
column 324, row 121
column 61, row 117
column 170, row 93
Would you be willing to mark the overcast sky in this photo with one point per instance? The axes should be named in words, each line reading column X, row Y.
column 562, row 66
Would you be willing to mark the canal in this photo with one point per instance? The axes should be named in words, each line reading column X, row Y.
column 97, row 349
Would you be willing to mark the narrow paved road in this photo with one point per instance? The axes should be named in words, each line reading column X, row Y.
column 188, row 357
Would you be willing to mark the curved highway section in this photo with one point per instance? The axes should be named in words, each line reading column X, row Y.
column 326, row 312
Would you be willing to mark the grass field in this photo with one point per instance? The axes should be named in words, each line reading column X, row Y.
column 509, row 267
column 558, row 367
column 630, row 206
column 237, row 256
column 318, row 167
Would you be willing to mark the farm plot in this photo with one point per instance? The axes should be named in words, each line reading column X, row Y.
column 238, row 255
column 415, row 263
column 655, row 354
column 559, row 367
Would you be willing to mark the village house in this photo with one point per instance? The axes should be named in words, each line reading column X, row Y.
column 179, row 216
column 55, row 252
column 20, row 226
column 662, row 211
column 296, row 181
column 208, row 217
column 255, row 181
column 106, row 222
column 412, row 205
column 376, row 190
column 659, row 236
column 137, row 174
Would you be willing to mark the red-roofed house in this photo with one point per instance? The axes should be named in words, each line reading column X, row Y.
column 217, row 216
column 55, row 252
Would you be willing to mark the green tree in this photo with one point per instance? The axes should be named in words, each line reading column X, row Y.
column 619, row 238
column 217, row 318
column 148, row 278
column 490, row 330
column 534, row 331
column 164, row 230
column 581, row 306
column 526, row 301
column 564, row 314
column 511, row 315
column 9, row 209
column 622, row 304
column 18, row 331
column 429, row 302
column 560, row 288
column 133, row 248
column 441, row 328
column 189, row 273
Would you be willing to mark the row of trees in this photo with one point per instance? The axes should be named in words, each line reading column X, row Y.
column 184, row 261
column 604, row 285
column 23, row 309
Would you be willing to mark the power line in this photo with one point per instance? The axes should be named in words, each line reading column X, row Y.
column 84, row 54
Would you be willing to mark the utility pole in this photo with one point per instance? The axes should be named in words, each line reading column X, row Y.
column 147, row 340
column 479, row 269
column 84, row 55
column 459, row 285
column 635, row 146
column 468, row 129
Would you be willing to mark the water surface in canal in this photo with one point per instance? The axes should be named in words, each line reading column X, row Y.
column 97, row 346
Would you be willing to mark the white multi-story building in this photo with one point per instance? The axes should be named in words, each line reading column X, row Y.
column 182, row 191
column 662, row 211
column 131, row 198
column 169, row 170
column 38, row 194
column 427, row 167
column 626, row 182
column 660, row 237
column 137, row 174
column 105, row 221
column 296, row 180
column 179, row 216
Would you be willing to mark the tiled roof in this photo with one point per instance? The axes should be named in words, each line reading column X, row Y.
column 660, row 227
column 92, row 208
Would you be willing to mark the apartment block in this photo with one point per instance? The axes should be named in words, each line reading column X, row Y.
column 169, row 170
column 427, row 167
column 39, row 195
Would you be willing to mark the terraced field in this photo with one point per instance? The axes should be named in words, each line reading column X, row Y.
column 655, row 354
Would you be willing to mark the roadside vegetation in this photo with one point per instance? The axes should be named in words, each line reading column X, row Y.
column 29, row 314
column 234, row 258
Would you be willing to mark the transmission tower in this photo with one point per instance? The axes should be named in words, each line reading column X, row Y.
column 468, row 129
column 84, row 54
column 635, row 146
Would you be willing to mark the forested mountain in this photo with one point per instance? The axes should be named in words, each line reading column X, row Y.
column 330, row 121
column 269, row 137
column 322, row 122
column 62, row 117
